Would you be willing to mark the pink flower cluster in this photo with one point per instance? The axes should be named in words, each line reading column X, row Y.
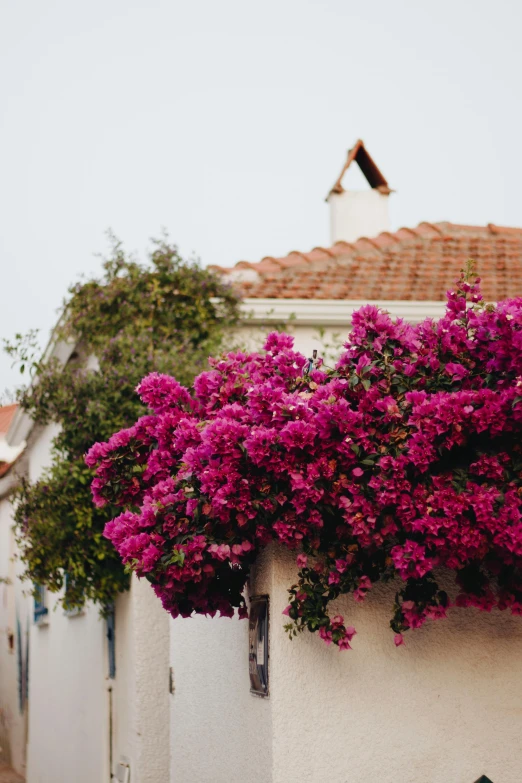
column 404, row 459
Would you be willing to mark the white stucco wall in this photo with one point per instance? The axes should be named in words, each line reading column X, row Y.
column 70, row 691
column 358, row 213
column 141, row 688
column 71, row 698
column 123, row 711
column 220, row 732
column 328, row 343
column 68, row 701
column 447, row 706
column 13, row 605
column 61, row 734
column 322, row 324
column 39, row 450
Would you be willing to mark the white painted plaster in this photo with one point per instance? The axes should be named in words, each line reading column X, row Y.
column 220, row 732
column 150, row 694
column 140, row 689
column 68, row 704
column 69, row 700
column 17, row 604
column 327, row 313
column 12, row 602
column 69, row 707
column 328, row 343
column 358, row 213
column 66, row 719
column 39, row 454
column 447, row 706
column 123, row 708
column 9, row 453
column 69, row 676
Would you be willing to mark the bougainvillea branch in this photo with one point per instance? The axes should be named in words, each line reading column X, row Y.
column 403, row 460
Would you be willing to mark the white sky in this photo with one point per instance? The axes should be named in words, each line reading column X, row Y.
column 227, row 121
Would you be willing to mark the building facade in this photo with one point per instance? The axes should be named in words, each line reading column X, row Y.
column 151, row 700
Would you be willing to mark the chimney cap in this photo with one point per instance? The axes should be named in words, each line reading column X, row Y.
column 361, row 156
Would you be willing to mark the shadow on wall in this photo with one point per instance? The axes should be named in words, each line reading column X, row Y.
column 5, row 722
column 443, row 707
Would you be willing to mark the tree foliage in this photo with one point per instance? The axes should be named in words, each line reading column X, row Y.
column 165, row 315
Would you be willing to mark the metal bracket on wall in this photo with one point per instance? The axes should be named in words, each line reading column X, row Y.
column 123, row 771
column 258, row 645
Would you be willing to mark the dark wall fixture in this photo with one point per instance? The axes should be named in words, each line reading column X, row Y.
column 258, row 645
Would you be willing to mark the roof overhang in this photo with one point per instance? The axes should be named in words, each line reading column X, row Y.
column 331, row 312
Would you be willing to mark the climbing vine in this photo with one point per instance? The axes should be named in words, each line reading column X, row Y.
column 167, row 314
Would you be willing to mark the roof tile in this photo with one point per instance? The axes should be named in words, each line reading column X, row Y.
column 410, row 264
column 6, row 415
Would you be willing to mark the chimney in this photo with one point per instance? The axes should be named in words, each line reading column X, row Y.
column 359, row 213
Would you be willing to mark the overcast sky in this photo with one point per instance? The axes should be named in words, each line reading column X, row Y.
column 227, row 121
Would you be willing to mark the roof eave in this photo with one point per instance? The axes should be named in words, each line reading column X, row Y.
column 331, row 312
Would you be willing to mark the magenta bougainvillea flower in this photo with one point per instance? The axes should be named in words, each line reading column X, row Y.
column 403, row 460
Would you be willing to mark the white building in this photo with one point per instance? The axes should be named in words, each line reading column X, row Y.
column 67, row 712
column 444, row 708
column 14, row 620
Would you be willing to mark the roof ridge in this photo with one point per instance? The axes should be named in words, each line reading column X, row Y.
column 436, row 227
column 366, row 245
column 7, row 413
column 503, row 229
column 327, row 250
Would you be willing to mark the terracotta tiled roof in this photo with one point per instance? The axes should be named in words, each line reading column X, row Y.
column 416, row 264
column 6, row 414
column 4, row 467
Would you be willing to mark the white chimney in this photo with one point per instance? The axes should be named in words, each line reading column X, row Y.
column 359, row 213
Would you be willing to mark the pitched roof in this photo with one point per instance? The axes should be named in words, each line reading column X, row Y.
column 362, row 157
column 6, row 414
column 412, row 264
column 7, row 454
